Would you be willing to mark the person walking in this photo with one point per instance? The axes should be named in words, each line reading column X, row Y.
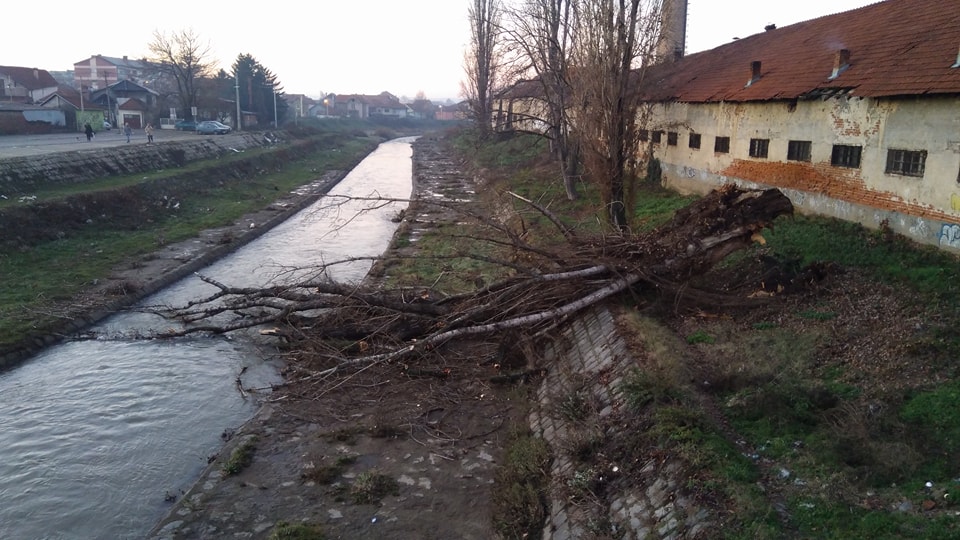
column 88, row 129
column 149, row 131
column 127, row 131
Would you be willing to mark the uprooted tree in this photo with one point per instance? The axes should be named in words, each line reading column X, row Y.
column 350, row 326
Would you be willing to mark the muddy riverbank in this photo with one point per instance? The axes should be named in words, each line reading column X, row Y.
column 433, row 445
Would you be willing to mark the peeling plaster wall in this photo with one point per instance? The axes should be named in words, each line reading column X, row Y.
column 926, row 208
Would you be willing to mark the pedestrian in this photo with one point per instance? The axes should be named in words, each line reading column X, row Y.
column 89, row 131
column 127, row 131
column 149, row 131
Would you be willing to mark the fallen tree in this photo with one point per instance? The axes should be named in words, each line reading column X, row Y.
column 349, row 326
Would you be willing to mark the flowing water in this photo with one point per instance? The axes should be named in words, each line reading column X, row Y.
column 96, row 434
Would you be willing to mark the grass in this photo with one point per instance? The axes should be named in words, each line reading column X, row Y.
column 297, row 531
column 520, row 487
column 837, row 436
column 371, row 486
column 241, row 457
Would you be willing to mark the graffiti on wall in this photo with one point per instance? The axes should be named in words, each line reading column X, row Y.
column 950, row 235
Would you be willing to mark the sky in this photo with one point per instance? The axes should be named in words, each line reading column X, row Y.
column 358, row 47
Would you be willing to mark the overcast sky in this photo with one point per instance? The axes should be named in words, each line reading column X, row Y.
column 358, row 47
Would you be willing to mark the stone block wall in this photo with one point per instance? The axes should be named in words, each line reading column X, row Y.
column 23, row 175
column 591, row 361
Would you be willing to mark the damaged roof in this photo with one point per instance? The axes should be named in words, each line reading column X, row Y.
column 891, row 48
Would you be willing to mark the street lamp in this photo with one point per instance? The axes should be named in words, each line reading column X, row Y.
column 326, row 103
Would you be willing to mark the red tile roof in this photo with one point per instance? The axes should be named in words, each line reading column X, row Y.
column 896, row 48
column 30, row 78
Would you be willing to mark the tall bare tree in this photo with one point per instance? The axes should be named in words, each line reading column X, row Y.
column 613, row 43
column 538, row 33
column 482, row 62
column 183, row 57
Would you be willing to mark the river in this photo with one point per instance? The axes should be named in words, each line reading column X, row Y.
column 96, row 435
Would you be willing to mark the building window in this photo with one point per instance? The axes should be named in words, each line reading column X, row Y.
column 798, row 151
column 694, row 140
column 644, row 135
column 759, row 147
column 845, row 155
column 906, row 162
column 721, row 145
column 657, row 136
column 671, row 138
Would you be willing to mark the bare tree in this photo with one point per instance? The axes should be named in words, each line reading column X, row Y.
column 482, row 62
column 184, row 58
column 538, row 32
column 613, row 43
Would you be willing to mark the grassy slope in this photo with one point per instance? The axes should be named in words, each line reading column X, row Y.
column 39, row 278
column 840, row 398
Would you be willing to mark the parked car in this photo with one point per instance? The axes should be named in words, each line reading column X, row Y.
column 186, row 125
column 210, row 127
column 106, row 125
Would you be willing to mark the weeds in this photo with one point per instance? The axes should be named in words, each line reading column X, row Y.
column 372, row 486
column 519, row 497
column 241, row 457
column 297, row 531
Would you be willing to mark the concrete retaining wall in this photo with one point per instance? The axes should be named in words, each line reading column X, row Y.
column 21, row 176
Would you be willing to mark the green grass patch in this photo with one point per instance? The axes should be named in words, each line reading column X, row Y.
column 520, row 487
column 371, row 487
column 297, row 531
column 241, row 457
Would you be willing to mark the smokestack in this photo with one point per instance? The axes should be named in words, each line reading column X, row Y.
column 841, row 61
column 673, row 30
column 754, row 72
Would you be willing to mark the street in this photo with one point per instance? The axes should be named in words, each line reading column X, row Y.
column 32, row 145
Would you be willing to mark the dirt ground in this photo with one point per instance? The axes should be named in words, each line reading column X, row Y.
column 383, row 453
column 394, row 453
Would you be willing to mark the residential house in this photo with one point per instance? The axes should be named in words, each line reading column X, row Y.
column 77, row 109
column 854, row 115
column 521, row 107
column 25, row 85
column 126, row 102
column 98, row 72
column 383, row 105
column 300, row 104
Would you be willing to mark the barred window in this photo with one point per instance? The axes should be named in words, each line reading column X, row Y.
column 906, row 162
column 694, row 140
column 845, row 155
column 798, row 150
column 759, row 147
column 721, row 145
column 657, row 136
column 671, row 138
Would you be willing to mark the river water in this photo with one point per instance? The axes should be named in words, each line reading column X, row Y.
column 95, row 434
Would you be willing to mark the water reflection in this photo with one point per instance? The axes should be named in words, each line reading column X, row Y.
column 94, row 434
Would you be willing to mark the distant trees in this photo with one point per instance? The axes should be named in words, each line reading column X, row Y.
column 589, row 57
column 613, row 43
column 257, row 85
column 483, row 61
column 182, row 57
column 538, row 35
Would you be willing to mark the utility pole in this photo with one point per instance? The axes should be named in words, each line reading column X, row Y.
column 236, row 80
